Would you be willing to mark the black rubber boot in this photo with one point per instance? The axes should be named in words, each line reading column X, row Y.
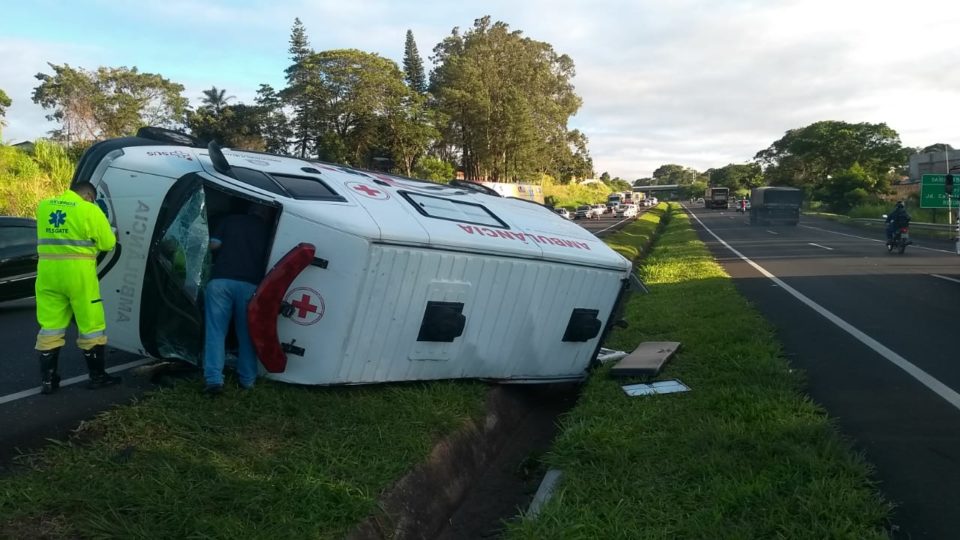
column 96, row 361
column 49, row 378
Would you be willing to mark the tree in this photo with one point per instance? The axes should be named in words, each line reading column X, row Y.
column 409, row 131
column 805, row 157
column 275, row 128
column 361, row 108
column 108, row 102
column 437, row 170
column 505, row 101
column 300, row 89
column 620, row 185
column 939, row 147
column 413, row 66
column 605, row 177
column 235, row 126
column 4, row 103
column 737, row 177
column 846, row 189
column 673, row 174
column 215, row 99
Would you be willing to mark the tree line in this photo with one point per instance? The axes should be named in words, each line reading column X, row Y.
column 838, row 164
column 496, row 106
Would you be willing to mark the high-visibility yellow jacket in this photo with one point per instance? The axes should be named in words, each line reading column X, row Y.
column 69, row 227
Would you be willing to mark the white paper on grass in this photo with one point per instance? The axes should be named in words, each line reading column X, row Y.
column 659, row 387
column 610, row 355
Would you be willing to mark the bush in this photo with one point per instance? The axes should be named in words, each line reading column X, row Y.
column 573, row 195
column 27, row 179
column 437, row 170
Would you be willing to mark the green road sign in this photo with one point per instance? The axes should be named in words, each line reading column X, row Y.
column 932, row 194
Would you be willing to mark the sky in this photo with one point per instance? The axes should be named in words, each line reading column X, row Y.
column 699, row 83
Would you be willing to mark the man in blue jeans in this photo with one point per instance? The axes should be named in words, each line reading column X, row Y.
column 240, row 251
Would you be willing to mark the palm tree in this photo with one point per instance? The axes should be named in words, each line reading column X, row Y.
column 216, row 99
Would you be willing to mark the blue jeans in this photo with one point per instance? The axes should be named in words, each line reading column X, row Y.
column 223, row 298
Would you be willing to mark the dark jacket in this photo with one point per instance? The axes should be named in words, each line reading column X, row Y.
column 899, row 217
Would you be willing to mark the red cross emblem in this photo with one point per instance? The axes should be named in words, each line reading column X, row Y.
column 303, row 305
column 368, row 191
column 307, row 304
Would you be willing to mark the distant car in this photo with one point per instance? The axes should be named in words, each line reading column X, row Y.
column 599, row 210
column 564, row 213
column 627, row 210
column 583, row 212
column 18, row 257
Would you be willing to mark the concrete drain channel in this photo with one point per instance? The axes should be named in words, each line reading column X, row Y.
column 481, row 477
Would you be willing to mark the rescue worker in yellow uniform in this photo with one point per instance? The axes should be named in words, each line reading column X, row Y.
column 71, row 231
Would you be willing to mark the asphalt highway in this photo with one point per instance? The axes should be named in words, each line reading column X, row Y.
column 27, row 419
column 875, row 334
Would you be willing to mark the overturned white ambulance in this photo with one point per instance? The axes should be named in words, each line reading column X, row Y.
column 370, row 277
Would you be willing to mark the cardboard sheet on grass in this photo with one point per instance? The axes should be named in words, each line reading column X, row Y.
column 646, row 360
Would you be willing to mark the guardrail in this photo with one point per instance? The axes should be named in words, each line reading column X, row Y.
column 941, row 227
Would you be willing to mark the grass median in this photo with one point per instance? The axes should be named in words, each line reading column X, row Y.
column 280, row 461
column 744, row 454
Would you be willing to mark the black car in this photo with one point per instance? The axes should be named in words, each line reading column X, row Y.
column 18, row 257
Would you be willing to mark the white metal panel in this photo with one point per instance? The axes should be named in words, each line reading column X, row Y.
column 335, row 288
column 133, row 200
column 516, row 310
column 171, row 161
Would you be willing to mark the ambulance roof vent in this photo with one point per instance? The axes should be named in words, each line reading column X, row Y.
column 220, row 162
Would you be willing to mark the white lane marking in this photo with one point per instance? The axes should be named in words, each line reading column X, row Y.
column 942, row 390
column 946, row 278
column 772, row 232
column 874, row 239
column 72, row 380
column 614, row 225
column 819, row 246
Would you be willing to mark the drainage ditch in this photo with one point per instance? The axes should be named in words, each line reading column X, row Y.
column 480, row 478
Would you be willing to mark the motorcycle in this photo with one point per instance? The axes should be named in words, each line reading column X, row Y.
column 901, row 239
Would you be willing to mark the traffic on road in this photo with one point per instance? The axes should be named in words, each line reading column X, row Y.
column 873, row 332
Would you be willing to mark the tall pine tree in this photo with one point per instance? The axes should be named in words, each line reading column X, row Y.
column 297, row 87
column 413, row 66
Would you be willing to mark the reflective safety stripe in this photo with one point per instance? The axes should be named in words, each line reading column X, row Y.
column 57, row 256
column 52, row 332
column 65, row 242
column 92, row 335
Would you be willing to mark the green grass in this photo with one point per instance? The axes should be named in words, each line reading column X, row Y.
column 279, row 462
column 635, row 240
column 744, row 454
column 26, row 179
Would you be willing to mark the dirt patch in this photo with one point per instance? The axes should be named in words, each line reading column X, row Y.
column 481, row 476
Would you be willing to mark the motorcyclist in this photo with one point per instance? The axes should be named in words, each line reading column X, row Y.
column 896, row 219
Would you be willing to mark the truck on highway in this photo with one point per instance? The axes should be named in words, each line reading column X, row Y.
column 716, row 197
column 772, row 205
column 614, row 200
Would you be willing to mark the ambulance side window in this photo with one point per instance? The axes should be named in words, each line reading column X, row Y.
column 452, row 210
column 184, row 252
